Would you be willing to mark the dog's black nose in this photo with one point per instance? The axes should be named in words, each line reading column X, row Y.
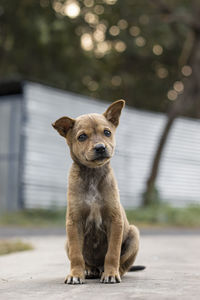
column 99, row 148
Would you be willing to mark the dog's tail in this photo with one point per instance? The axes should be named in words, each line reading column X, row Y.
column 136, row 268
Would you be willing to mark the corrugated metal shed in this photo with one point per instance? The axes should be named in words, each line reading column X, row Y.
column 35, row 160
column 10, row 151
column 47, row 159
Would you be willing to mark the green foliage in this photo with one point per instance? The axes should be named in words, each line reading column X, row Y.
column 165, row 215
column 151, row 197
column 40, row 42
column 153, row 215
column 34, row 218
column 7, row 247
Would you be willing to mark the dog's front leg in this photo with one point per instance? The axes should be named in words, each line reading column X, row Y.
column 74, row 245
column 112, row 259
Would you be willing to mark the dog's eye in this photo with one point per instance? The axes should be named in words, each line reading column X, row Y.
column 82, row 137
column 107, row 132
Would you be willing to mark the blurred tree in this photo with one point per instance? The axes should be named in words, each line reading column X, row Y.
column 188, row 102
column 102, row 48
column 146, row 52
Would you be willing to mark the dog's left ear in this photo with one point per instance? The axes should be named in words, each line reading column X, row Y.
column 63, row 125
column 113, row 112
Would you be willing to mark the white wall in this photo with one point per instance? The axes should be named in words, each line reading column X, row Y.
column 47, row 159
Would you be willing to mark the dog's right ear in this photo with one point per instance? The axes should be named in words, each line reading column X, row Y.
column 113, row 112
column 63, row 124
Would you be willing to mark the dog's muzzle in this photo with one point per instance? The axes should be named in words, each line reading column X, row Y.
column 100, row 152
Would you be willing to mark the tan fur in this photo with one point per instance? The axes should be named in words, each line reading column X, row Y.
column 100, row 241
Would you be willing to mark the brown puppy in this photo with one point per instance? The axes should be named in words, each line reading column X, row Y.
column 100, row 241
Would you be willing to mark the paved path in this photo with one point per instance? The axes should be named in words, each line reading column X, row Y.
column 10, row 231
column 172, row 261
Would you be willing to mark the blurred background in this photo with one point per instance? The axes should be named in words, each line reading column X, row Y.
column 73, row 57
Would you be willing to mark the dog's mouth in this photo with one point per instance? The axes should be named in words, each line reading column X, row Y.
column 100, row 158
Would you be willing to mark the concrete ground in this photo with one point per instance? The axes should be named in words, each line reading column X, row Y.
column 172, row 271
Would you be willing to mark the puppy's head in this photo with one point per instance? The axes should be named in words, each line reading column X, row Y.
column 91, row 137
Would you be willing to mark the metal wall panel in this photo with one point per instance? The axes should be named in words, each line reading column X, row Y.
column 47, row 160
column 10, row 137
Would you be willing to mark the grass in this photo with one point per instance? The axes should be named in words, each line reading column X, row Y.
column 7, row 247
column 165, row 215
column 156, row 215
column 34, row 218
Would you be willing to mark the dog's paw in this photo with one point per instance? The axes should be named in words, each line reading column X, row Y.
column 74, row 280
column 108, row 278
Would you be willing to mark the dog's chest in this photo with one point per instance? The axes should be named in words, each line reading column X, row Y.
column 93, row 203
column 93, row 194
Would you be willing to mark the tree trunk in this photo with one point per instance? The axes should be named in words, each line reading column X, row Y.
column 186, row 103
column 150, row 196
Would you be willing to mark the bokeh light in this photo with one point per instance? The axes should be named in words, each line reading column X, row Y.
column 57, row 6
column 86, row 79
column 99, row 9
column 99, row 35
column 120, row 46
column 71, row 9
column 134, row 30
column 87, row 42
column 123, row 24
column 91, row 18
column 103, row 47
column 102, row 27
column 157, row 49
column 186, row 70
column 162, row 72
column 172, row 95
column 140, row 41
column 110, row 2
column 178, row 86
column 93, row 85
column 114, row 30
column 88, row 3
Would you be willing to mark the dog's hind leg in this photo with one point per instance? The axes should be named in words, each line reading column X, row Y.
column 129, row 250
